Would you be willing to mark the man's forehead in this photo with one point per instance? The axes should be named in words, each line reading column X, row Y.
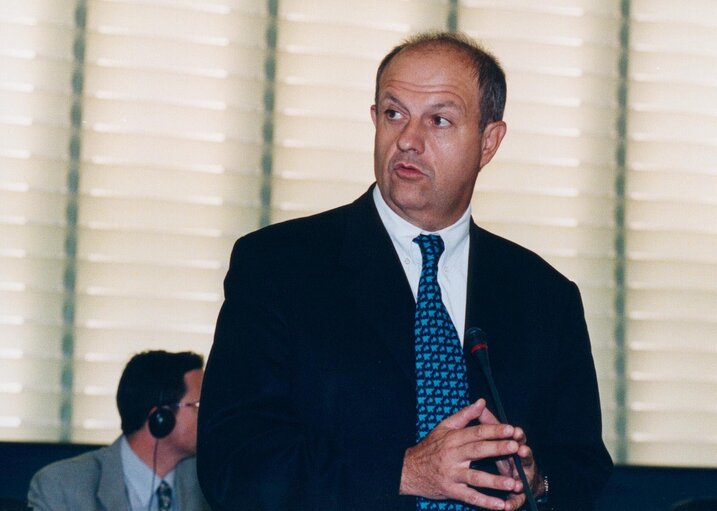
column 436, row 71
column 430, row 60
column 435, row 52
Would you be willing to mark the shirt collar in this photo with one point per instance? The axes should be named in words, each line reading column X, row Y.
column 139, row 477
column 402, row 232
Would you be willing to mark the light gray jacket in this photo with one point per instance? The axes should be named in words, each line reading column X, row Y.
column 94, row 481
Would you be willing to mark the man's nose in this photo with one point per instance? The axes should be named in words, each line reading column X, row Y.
column 412, row 136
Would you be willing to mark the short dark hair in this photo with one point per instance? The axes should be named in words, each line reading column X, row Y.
column 486, row 69
column 152, row 378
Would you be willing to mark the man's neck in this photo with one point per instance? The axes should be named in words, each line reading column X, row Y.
column 143, row 444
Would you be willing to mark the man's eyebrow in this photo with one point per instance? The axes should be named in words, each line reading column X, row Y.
column 391, row 99
column 448, row 104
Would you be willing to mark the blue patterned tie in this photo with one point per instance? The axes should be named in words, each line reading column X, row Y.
column 441, row 385
column 164, row 497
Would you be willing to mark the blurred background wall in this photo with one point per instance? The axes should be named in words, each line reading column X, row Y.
column 140, row 138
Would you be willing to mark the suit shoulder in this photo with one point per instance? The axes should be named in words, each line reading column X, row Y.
column 66, row 483
column 299, row 231
column 300, row 243
column 518, row 260
column 83, row 465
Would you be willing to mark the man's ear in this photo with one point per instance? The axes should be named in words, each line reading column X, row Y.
column 373, row 115
column 490, row 141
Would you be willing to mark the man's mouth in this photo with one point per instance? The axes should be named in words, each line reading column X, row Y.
column 407, row 169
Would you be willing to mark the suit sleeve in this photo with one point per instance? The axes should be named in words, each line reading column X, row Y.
column 254, row 449
column 572, row 453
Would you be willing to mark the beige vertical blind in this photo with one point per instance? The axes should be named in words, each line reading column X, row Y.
column 672, row 233
column 200, row 118
column 169, row 177
column 171, row 144
column 36, row 62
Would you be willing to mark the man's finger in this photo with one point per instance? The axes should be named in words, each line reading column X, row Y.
column 463, row 417
column 490, row 449
column 515, row 501
column 487, row 417
column 475, row 498
column 480, row 479
column 506, row 467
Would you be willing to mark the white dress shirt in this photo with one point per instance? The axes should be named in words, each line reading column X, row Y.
column 452, row 266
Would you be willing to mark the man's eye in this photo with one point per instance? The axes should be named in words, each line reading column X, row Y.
column 392, row 114
column 440, row 121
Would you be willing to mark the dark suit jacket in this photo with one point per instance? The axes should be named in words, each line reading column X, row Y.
column 309, row 396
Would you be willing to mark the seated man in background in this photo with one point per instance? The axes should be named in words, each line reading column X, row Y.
column 152, row 465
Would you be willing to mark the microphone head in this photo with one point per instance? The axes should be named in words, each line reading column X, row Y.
column 476, row 339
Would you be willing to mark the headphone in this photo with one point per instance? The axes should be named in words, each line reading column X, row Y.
column 162, row 420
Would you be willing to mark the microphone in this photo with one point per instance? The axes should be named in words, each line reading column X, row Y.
column 478, row 344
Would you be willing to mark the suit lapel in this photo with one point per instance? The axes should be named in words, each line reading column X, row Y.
column 377, row 283
column 109, row 493
column 479, row 282
column 479, row 307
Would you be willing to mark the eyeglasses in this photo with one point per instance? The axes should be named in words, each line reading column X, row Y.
column 193, row 404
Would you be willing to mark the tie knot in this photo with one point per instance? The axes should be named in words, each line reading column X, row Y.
column 431, row 246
